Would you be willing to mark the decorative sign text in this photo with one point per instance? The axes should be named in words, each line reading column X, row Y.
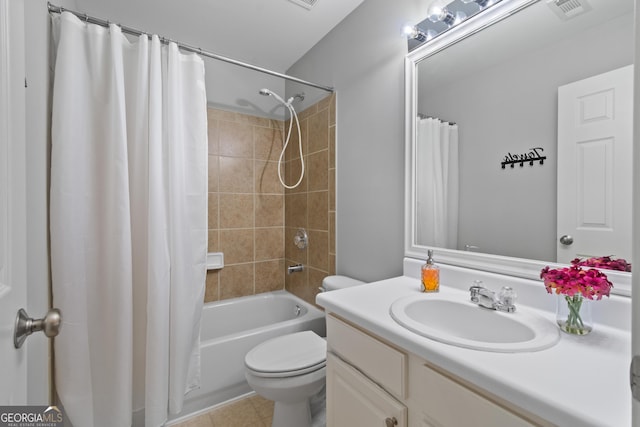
column 533, row 155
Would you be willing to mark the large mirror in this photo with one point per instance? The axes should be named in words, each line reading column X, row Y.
column 518, row 170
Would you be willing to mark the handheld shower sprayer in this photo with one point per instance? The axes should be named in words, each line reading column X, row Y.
column 285, row 139
column 267, row 92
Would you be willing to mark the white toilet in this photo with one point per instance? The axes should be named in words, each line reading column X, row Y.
column 290, row 369
column 333, row 283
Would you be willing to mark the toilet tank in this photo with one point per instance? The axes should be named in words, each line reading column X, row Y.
column 332, row 283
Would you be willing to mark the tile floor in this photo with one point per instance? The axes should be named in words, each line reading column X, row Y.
column 252, row 411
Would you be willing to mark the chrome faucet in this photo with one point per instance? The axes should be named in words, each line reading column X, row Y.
column 295, row 268
column 487, row 298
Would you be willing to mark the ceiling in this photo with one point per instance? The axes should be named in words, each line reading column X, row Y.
column 272, row 34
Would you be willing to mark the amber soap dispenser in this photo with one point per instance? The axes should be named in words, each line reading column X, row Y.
column 430, row 275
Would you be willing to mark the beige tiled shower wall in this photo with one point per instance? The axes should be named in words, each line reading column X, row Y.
column 248, row 220
column 311, row 206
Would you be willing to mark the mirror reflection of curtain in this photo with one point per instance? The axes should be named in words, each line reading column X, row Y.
column 437, row 175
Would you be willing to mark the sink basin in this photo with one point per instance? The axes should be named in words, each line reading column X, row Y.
column 454, row 321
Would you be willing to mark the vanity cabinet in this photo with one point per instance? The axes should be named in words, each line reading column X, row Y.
column 365, row 379
column 372, row 383
column 353, row 400
column 442, row 401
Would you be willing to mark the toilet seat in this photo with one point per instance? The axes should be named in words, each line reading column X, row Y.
column 287, row 374
column 288, row 355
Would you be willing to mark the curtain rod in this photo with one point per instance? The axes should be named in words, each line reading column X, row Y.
column 186, row 47
column 424, row 116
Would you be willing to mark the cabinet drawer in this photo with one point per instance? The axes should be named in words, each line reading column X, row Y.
column 445, row 402
column 382, row 363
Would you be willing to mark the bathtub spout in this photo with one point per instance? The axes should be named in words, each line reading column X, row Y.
column 295, row 268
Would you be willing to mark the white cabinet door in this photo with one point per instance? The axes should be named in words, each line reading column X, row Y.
column 446, row 403
column 355, row 401
column 13, row 290
column 595, row 126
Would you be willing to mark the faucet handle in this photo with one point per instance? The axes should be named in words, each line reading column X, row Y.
column 475, row 290
column 507, row 296
column 476, row 284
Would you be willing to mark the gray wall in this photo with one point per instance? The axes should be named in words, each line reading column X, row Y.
column 511, row 108
column 363, row 58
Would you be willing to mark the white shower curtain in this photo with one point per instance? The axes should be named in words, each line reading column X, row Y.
column 437, row 178
column 128, row 221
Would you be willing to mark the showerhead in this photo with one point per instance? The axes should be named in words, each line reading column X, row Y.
column 267, row 92
column 287, row 136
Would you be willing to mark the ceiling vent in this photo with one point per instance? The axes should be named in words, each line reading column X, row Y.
column 567, row 9
column 307, row 4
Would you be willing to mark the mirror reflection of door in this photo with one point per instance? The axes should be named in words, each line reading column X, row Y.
column 595, row 129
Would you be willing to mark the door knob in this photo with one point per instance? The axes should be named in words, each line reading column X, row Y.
column 25, row 325
column 566, row 240
column 390, row 422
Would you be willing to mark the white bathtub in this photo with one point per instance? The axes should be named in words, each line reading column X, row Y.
column 231, row 328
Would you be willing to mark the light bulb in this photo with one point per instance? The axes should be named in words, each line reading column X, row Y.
column 437, row 11
column 436, row 14
column 415, row 33
column 410, row 31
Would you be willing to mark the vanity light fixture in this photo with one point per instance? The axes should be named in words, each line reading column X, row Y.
column 481, row 3
column 441, row 16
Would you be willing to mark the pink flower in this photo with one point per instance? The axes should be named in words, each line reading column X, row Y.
column 573, row 280
column 604, row 262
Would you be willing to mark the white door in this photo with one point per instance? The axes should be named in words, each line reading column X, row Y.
column 595, row 137
column 13, row 286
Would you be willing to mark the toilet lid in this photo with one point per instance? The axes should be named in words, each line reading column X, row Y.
column 292, row 354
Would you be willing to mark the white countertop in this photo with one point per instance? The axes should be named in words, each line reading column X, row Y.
column 581, row 381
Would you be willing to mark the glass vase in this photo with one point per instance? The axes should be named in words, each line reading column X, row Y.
column 573, row 314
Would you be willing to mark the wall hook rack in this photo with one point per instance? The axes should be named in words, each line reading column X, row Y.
column 533, row 155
